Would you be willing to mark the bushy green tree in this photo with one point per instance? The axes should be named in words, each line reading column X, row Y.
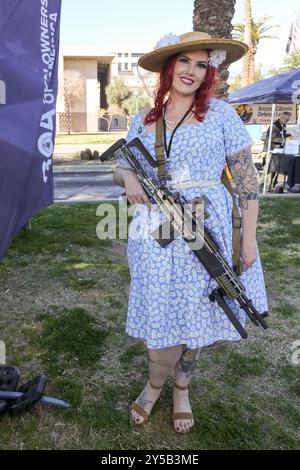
column 291, row 62
column 117, row 92
column 135, row 102
column 126, row 99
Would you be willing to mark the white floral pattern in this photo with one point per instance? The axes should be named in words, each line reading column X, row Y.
column 168, row 300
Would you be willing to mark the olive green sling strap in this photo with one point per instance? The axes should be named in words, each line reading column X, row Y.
column 236, row 224
column 159, row 147
column 236, row 219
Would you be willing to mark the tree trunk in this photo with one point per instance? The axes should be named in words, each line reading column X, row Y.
column 248, row 40
column 214, row 17
column 251, row 65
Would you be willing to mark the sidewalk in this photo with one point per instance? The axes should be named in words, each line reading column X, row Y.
column 73, row 166
column 91, row 180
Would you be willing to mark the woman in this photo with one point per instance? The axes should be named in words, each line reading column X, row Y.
column 169, row 306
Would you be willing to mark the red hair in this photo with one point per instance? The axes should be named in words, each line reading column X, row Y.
column 203, row 94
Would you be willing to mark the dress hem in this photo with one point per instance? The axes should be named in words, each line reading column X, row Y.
column 180, row 342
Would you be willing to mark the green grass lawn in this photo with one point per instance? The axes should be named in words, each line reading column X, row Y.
column 99, row 138
column 63, row 312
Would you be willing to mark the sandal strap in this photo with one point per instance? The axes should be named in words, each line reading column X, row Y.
column 154, row 386
column 136, row 407
column 182, row 416
column 180, row 387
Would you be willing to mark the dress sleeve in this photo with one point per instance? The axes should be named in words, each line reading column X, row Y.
column 122, row 162
column 235, row 134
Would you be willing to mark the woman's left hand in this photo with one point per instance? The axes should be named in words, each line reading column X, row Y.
column 248, row 253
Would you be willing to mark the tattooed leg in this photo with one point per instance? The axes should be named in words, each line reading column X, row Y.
column 161, row 364
column 183, row 375
column 186, row 365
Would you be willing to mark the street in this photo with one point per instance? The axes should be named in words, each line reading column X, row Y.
column 78, row 183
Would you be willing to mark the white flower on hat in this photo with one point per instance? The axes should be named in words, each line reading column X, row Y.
column 167, row 40
column 216, row 57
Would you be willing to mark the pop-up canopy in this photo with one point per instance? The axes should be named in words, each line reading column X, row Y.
column 283, row 88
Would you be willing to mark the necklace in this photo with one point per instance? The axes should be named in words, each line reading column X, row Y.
column 172, row 124
column 187, row 117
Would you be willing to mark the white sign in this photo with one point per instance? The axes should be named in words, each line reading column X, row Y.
column 291, row 147
column 261, row 113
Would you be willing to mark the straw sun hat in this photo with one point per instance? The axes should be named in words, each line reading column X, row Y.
column 222, row 51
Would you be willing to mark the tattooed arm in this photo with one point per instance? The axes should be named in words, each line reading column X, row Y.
column 244, row 175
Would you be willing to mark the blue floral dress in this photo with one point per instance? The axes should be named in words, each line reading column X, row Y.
column 168, row 300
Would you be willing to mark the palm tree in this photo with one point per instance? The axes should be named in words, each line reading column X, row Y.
column 248, row 71
column 214, row 17
column 259, row 30
column 235, row 81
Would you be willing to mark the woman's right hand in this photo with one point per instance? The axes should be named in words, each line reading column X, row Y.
column 134, row 190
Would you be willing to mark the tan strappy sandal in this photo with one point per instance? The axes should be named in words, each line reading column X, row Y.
column 181, row 415
column 136, row 407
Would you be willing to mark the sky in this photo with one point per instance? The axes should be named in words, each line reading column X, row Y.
column 117, row 25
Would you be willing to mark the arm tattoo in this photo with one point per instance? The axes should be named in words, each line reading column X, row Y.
column 244, row 175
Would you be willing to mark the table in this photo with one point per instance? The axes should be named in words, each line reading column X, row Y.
column 287, row 165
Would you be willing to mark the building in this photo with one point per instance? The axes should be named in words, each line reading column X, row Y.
column 79, row 111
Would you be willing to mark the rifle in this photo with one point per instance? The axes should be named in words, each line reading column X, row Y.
column 172, row 205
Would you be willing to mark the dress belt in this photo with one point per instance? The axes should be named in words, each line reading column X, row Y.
column 195, row 184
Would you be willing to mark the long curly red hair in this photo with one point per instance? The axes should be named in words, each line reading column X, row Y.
column 203, row 94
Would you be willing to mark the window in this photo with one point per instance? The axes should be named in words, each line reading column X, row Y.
column 136, row 54
column 119, row 54
column 119, row 67
column 126, row 54
column 126, row 65
column 116, row 122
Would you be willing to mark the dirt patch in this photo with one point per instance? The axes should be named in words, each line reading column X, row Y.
column 118, row 252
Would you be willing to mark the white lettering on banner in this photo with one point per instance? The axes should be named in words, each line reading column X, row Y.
column 2, row 92
column 47, row 120
column 45, row 144
column 46, row 168
column 45, row 141
column 53, row 17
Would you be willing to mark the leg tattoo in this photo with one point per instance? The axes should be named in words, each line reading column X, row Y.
column 188, row 361
column 183, row 375
column 142, row 400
